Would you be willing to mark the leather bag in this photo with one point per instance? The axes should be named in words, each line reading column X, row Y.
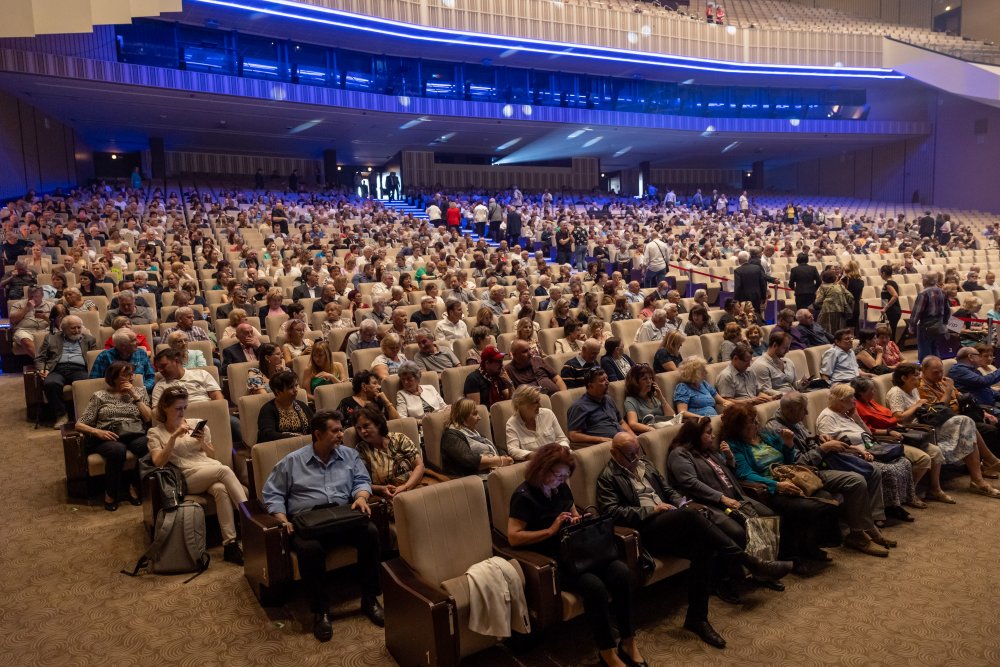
column 326, row 521
column 801, row 476
column 587, row 544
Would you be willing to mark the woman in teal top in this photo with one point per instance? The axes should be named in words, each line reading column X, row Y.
column 807, row 523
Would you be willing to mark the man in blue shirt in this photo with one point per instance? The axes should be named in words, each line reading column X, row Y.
column 969, row 380
column 321, row 474
column 126, row 348
column 593, row 418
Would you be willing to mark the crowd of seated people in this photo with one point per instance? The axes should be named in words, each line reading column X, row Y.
column 286, row 287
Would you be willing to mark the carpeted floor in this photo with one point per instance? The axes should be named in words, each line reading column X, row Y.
column 63, row 601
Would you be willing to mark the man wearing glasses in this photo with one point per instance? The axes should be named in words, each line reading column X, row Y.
column 969, row 380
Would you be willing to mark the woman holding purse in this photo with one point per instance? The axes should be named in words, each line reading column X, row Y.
column 539, row 508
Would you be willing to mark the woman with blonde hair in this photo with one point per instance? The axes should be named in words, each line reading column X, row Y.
column 525, row 330
column 296, row 343
column 855, row 285
column 388, row 362
column 560, row 313
column 334, row 318
column 75, row 302
column 598, row 330
column 485, row 318
column 465, row 451
column 693, row 395
column 322, row 369
column 668, row 356
column 731, row 336
column 531, row 426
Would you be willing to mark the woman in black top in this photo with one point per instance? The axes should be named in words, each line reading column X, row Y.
column 367, row 389
column 890, row 299
column 539, row 508
column 855, row 285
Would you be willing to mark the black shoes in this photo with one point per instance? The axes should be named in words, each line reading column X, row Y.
column 898, row 513
column 726, row 592
column 111, row 507
column 770, row 569
column 773, row 585
column 232, row 553
column 627, row 659
column 373, row 610
column 322, row 628
column 706, row 633
column 818, row 554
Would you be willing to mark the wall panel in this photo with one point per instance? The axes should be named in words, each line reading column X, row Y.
column 36, row 152
column 420, row 170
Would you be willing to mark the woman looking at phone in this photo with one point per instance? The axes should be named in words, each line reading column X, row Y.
column 187, row 444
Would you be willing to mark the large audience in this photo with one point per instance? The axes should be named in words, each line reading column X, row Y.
column 589, row 318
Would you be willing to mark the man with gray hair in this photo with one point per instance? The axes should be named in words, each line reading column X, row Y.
column 378, row 313
column 364, row 338
column 634, row 294
column 929, row 317
column 29, row 317
column 62, row 360
column 125, row 347
column 184, row 323
column 430, row 356
column 128, row 307
column 862, row 494
column 655, row 257
column 653, row 329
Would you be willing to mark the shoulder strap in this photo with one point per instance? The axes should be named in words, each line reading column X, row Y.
column 162, row 532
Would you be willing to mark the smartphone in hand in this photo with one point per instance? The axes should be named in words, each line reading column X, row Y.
column 199, row 427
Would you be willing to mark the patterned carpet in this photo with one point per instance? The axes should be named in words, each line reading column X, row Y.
column 933, row 602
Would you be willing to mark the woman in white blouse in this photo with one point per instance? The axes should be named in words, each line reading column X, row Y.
column 414, row 399
column 531, row 425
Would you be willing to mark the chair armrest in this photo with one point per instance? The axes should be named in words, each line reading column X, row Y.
column 74, row 453
column 541, row 584
column 421, row 619
column 629, row 549
column 403, row 575
column 266, row 551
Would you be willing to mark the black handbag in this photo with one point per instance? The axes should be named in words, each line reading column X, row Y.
column 326, row 521
column 934, row 414
column 886, row 452
column 587, row 545
column 967, row 406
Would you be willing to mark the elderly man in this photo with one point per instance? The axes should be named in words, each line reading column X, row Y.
column 574, row 372
column 532, row 370
column 384, row 287
column 809, row 332
column 328, row 296
column 674, row 297
column 399, row 327
column 321, row 474
column 936, row 387
column 774, row 373
column 968, row 380
column 426, row 312
column 241, row 300
column 364, row 338
column 555, row 293
column 653, row 329
column 495, row 301
column 430, row 356
column 125, row 348
column 453, row 326
column 839, row 364
column 62, row 361
column 378, row 313
column 457, row 291
column 29, row 317
column 184, row 319
column 737, row 383
column 632, row 491
column 634, row 294
column 245, row 348
column 128, row 307
column 593, row 418
column 673, row 321
column 544, row 285
column 862, row 505
column 929, row 316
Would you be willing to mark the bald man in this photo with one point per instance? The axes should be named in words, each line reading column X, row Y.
column 636, row 494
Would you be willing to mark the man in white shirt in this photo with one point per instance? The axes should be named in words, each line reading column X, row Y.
column 479, row 215
column 633, row 293
column 744, row 203
column 774, row 373
column 383, row 288
column 452, row 327
column 655, row 328
column 655, row 258
column 434, row 214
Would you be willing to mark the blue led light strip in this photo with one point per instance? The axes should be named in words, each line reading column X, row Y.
column 390, row 28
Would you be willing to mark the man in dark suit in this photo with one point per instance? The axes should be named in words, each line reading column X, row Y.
column 246, row 348
column 927, row 225
column 62, row 360
column 240, row 300
column 310, row 288
column 804, row 280
column 750, row 281
column 513, row 227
